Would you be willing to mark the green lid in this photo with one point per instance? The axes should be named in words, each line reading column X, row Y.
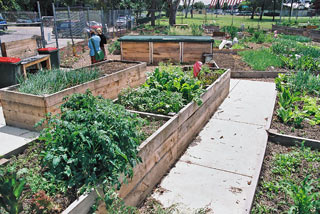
column 167, row 38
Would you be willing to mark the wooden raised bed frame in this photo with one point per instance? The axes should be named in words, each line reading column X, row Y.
column 157, row 51
column 164, row 147
column 25, row 110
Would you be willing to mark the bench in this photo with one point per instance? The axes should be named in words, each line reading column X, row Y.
column 27, row 51
column 180, row 25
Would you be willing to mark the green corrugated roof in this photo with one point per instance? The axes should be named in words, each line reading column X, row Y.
column 167, row 38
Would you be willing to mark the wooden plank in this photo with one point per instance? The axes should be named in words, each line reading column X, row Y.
column 22, row 48
column 23, row 108
column 136, row 51
column 193, row 51
column 166, row 51
column 289, row 140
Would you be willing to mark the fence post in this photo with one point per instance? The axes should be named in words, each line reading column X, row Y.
column 41, row 27
column 70, row 27
column 55, row 24
column 103, row 22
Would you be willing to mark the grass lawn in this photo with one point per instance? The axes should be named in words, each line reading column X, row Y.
column 260, row 60
column 226, row 20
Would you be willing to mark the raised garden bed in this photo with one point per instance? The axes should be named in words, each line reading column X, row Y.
column 289, row 180
column 313, row 34
column 296, row 111
column 25, row 110
column 161, row 150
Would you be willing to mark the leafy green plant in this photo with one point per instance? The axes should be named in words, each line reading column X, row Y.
column 92, row 141
column 49, row 82
column 296, row 38
column 305, row 200
column 114, row 47
column 232, row 30
column 10, row 192
column 285, row 114
column 172, row 78
column 196, row 30
column 151, row 100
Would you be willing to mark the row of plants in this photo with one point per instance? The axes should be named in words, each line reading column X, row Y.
column 51, row 81
column 301, row 24
column 90, row 144
column 298, row 98
column 192, row 30
column 289, row 181
column 168, row 89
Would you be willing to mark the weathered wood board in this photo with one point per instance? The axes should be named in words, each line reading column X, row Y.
column 21, row 49
column 193, row 52
column 135, row 51
column 25, row 110
column 166, row 51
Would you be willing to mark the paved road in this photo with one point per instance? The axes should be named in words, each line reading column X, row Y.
column 15, row 33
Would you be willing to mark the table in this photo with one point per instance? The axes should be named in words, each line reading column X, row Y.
column 35, row 60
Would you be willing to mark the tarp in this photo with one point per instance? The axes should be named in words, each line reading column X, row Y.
column 204, row 39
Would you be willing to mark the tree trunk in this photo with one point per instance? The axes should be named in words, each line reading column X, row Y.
column 290, row 9
column 187, row 9
column 274, row 9
column 252, row 14
column 262, row 9
column 153, row 8
column 191, row 11
column 173, row 6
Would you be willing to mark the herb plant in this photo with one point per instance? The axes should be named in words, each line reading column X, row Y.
column 49, row 82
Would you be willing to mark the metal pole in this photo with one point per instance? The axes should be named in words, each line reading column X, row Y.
column 88, row 20
column 70, row 28
column 103, row 22
column 281, row 9
column 55, row 24
column 41, row 27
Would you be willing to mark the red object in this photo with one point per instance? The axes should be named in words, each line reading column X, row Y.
column 9, row 60
column 47, row 49
column 197, row 68
column 95, row 27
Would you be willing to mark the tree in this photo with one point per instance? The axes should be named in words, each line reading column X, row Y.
column 199, row 5
column 192, row 6
column 172, row 7
column 186, row 5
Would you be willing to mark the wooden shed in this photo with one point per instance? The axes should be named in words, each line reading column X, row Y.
column 155, row 49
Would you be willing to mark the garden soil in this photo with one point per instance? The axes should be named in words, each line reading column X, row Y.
column 308, row 131
column 267, row 176
column 231, row 61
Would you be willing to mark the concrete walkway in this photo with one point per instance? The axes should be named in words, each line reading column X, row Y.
column 220, row 169
column 12, row 138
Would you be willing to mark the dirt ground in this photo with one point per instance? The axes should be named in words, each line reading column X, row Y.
column 307, row 130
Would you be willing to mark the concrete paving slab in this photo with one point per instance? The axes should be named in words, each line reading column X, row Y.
column 233, row 83
column 229, row 146
column 249, row 102
column 11, row 138
column 203, row 188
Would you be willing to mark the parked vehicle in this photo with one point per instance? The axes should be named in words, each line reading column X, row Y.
column 3, row 23
column 63, row 29
column 124, row 21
